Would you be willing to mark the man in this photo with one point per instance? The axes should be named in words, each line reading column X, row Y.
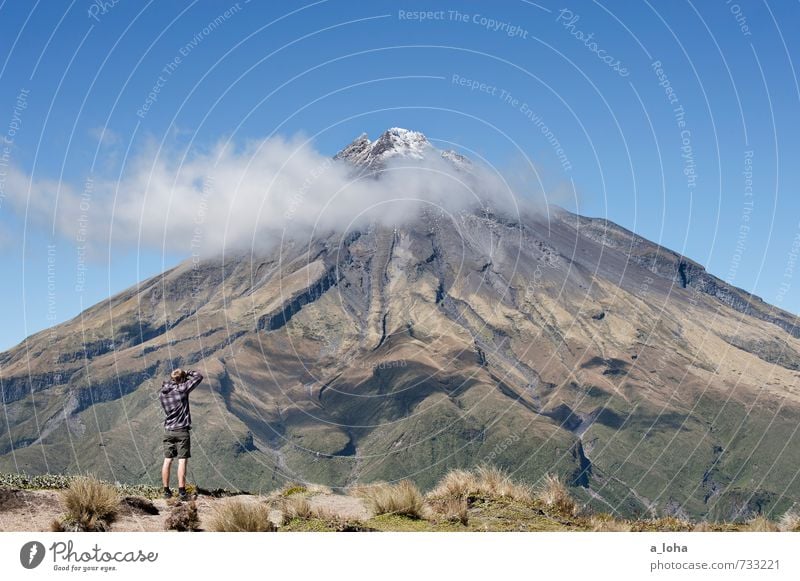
column 174, row 397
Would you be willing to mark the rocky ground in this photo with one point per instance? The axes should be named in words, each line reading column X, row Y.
column 36, row 510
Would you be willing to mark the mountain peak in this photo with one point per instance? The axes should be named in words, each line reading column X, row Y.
column 394, row 142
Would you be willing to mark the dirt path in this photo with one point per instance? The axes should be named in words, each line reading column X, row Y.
column 35, row 510
column 348, row 507
column 27, row 510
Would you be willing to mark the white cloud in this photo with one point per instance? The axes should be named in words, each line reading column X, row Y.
column 262, row 191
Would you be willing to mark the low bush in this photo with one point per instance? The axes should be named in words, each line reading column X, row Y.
column 183, row 517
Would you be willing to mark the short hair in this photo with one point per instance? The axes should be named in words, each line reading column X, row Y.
column 177, row 375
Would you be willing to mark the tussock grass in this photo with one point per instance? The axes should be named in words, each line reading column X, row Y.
column 456, row 484
column 702, row 527
column 790, row 522
column 607, row 523
column 663, row 524
column 496, row 483
column 554, row 494
column 760, row 524
column 302, row 515
column 183, row 517
column 297, row 507
column 91, row 506
column 483, row 482
column 451, row 510
column 314, row 489
column 236, row 515
column 402, row 498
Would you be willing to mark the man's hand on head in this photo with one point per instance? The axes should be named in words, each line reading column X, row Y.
column 194, row 380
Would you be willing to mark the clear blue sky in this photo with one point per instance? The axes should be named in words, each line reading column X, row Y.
column 338, row 68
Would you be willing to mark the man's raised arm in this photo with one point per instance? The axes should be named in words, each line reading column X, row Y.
column 192, row 381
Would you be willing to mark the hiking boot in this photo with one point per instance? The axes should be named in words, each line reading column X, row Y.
column 184, row 496
column 167, row 494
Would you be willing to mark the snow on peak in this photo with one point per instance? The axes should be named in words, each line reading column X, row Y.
column 401, row 142
column 392, row 143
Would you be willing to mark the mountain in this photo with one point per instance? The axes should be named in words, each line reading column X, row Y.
column 549, row 343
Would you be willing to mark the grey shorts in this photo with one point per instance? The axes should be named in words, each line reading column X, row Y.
column 177, row 444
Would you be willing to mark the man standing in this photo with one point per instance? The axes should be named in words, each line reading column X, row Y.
column 174, row 397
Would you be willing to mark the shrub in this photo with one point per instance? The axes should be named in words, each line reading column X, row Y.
column 554, row 494
column 183, row 517
column 28, row 482
column 293, row 488
column 90, row 505
column 403, row 498
column 236, row 515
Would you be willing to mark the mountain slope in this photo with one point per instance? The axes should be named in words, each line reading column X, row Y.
column 546, row 343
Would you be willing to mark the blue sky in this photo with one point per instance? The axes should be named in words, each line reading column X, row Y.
column 581, row 88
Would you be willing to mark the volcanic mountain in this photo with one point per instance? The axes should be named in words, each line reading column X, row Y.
column 549, row 342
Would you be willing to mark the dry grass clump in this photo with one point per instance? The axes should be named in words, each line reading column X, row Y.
column 760, row 524
column 702, row 527
column 790, row 522
column 483, row 482
column 451, row 510
column 183, row 517
column 554, row 494
column 495, row 483
column 663, row 524
column 314, row 489
column 451, row 498
column 91, row 506
column 456, row 484
column 402, row 498
column 607, row 523
column 237, row 516
column 297, row 507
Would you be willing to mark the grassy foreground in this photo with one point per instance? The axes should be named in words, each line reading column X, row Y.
column 485, row 499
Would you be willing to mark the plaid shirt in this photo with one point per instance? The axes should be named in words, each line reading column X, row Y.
column 175, row 401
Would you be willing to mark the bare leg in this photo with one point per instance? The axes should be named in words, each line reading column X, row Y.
column 165, row 471
column 182, row 472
